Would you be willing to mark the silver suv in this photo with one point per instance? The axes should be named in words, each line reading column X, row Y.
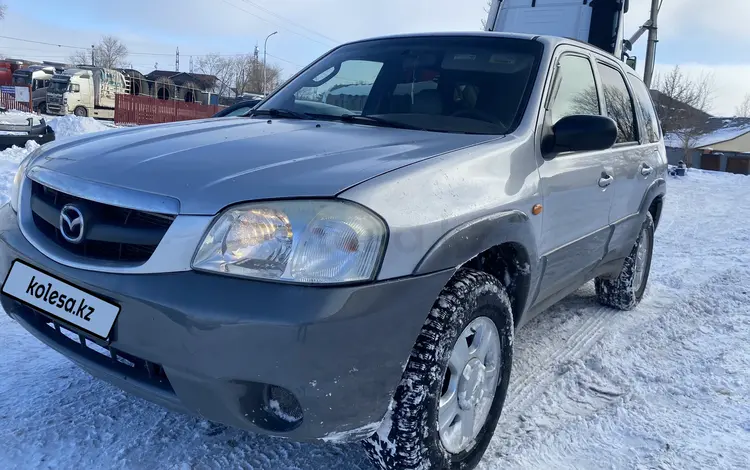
column 349, row 261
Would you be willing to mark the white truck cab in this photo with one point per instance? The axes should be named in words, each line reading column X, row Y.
column 86, row 92
column 597, row 22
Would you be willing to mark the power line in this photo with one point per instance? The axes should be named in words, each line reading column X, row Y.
column 43, row 43
column 276, row 24
column 291, row 21
column 148, row 54
column 284, row 60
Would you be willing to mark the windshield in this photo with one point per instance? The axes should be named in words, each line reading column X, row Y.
column 444, row 84
column 21, row 80
column 58, row 86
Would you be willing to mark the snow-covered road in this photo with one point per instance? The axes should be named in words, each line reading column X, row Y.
column 666, row 386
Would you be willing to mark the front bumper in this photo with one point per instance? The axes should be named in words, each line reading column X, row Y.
column 219, row 343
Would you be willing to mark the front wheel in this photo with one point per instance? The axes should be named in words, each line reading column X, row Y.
column 81, row 111
column 626, row 291
column 42, row 108
column 446, row 407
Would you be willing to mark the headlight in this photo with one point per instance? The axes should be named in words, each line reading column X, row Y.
column 310, row 241
column 15, row 192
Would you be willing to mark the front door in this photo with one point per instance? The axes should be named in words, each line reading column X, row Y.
column 576, row 186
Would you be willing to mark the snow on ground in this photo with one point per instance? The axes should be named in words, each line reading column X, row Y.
column 70, row 126
column 666, row 386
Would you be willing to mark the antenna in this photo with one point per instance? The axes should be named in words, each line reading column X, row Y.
column 177, row 61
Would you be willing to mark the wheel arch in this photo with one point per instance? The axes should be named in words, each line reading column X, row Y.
column 653, row 200
column 502, row 245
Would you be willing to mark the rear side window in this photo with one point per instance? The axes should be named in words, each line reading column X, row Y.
column 643, row 98
column 575, row 89
column 619, row 103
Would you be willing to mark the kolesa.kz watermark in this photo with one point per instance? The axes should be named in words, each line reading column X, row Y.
column 52, row 297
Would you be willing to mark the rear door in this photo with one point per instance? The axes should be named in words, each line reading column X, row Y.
column 576, row 185
column 635, row 158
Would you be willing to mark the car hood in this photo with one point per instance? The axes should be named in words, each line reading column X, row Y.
column 210, row 164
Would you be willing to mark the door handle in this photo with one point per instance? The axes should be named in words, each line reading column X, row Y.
column 646, row 170
column 605, row 180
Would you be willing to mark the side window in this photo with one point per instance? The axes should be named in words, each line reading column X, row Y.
column 643, row 98
column 575, row 89
column 619, row 103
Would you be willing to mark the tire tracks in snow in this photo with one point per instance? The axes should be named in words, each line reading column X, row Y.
column 526, row 389
column 645, row 410
column 589, row 396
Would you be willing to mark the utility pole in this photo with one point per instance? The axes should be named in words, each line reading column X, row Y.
column 177, row 61
column 92, row 56
column 265, row 49
column 653, row 39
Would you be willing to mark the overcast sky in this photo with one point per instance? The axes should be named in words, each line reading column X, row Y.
column 701, row 35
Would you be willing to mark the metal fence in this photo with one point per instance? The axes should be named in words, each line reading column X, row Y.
column 16, row 97
column 140, row 110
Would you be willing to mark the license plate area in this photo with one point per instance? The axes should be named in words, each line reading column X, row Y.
column 61, row 300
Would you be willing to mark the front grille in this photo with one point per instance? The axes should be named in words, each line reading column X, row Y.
column 112, row 233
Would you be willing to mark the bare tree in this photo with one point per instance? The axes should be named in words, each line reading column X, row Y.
column 682, row 105
column 743, row 110
column 249, row 75
column 220, row 67
column 110, row 53
column 3, row 9
column 80, row 57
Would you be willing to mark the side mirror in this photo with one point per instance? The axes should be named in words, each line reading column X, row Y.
column 583, row 133
column 632, row 62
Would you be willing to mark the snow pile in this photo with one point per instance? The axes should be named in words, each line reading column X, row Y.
column 16, row 154
column 66, row 126
column 9, row 160
column 70, row 126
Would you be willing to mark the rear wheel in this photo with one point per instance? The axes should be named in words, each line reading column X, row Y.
column 81, row 111
column 446, row 407
column 626, row 290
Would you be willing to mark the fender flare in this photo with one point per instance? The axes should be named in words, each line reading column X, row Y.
column 471, row 238
column 658, row 188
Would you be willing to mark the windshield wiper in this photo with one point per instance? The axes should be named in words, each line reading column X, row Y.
column 281, row 113
column 356, row 118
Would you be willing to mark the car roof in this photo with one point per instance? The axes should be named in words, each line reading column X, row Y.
column 449, row 34
column 552, row 41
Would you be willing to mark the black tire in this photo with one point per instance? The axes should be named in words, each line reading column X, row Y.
column 81, row 112
column 42, row 108
column 409, row 436
column 621, row 292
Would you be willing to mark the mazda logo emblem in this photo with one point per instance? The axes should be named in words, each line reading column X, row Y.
column 71, row 223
